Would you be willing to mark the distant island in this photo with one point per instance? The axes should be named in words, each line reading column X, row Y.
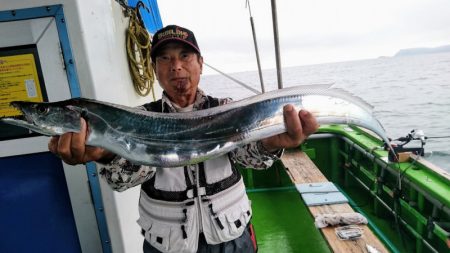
column 423, row 50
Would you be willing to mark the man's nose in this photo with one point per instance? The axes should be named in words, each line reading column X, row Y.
column 175, row 64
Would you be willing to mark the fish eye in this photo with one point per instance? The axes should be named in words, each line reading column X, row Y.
column 41, row 109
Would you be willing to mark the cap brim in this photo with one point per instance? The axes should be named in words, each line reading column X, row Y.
column 165, row 41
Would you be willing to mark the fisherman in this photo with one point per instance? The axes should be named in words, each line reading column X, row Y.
column 196, row 208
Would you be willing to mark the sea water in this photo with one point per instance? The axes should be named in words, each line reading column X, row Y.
column 408, row 93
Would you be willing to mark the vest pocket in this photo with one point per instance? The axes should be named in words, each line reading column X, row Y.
column 159, row 236
column 173, row 230
column 229, row 223
column 237, row 221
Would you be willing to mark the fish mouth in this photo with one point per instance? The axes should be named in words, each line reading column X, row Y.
column 25, row 116
column 25, row 120
column 19, row 119
column 19, row 105
column 16, row 104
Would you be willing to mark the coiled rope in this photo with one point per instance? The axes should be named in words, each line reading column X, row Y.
column 138, row 50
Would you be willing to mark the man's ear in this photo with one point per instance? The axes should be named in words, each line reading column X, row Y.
column 154, row 70
column 200, row 61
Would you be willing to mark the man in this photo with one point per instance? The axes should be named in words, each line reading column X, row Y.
column 196, row 208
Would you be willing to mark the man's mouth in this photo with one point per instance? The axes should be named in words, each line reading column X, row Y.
column 180, row 82
column 176, row 79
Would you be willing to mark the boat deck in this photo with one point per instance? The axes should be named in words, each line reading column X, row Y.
column 302, row 170
column 413, row 218
column 283, row 223
column 292, row 230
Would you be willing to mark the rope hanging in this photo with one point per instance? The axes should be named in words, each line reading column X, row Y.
column 138, row 51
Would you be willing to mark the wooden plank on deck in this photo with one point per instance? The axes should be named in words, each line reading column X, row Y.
column 302, row 170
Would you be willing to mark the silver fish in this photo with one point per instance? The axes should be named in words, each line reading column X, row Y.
column 178, row 139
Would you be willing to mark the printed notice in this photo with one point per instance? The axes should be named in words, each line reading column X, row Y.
column 18, row 82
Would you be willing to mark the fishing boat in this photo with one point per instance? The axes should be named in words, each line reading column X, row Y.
column 64, row 49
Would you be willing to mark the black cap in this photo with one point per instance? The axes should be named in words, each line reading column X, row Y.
column 172, row 33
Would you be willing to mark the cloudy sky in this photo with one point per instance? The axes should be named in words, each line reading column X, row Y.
column 311, row 32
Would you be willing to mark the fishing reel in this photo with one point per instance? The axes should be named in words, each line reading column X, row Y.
column 399, row 145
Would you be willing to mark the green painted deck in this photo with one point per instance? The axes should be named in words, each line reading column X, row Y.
column 283, row 223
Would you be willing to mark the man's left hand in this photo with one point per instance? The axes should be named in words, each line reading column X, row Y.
column 299, row 126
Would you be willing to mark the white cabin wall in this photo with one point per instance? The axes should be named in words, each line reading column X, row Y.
column 103, row 29
column 97, row 36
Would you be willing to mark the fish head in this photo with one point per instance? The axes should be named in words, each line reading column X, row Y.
column 46, row 118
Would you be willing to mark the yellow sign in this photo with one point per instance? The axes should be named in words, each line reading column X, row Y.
column 18, row 82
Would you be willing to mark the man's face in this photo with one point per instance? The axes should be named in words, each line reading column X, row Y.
column 178, row 70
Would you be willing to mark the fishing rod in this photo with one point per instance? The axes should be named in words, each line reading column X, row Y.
column 247, row 3
column 437, row 137
column 417, row 134
column 414, row 135
column 277, row 43
column 248, row 87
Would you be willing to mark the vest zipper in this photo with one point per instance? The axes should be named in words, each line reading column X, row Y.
column 196, row 181
column 199, row 201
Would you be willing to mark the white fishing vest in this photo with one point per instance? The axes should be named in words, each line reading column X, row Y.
column 177, row 204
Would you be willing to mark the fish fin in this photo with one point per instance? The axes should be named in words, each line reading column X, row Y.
column 316, row 86
column 341, row 93
column 75, row 108
column 138, row 110
column 82, row 111
column 352, row 97
column 328, row 88
column 320, row 86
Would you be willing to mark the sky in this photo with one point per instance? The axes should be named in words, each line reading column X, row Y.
column 310, row 32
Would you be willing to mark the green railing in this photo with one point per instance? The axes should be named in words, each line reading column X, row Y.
column 409, row 202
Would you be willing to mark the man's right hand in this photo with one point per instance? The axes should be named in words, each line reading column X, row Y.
column 72, row 148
